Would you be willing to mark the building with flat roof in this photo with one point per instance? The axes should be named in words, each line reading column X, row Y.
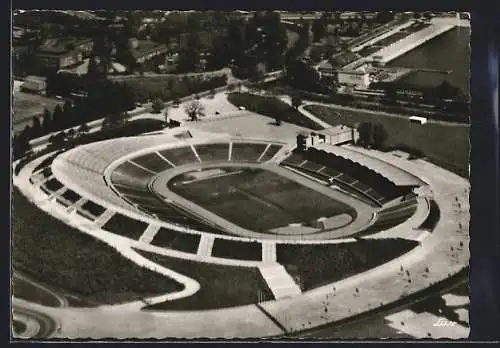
column 60, row 53
column 34, row 84
column 335, row 135
column 144, row 50
column 355, row 75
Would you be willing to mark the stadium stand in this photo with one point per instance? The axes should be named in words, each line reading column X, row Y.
column 213, row 152
column 295, row 160
column 247, row 152
column 391, row 217
column 129, row 174
column 138, row 191
column 270, row 152
column 432, row 219
column 312, row 166
column 152, row 162
column 352, row 175
column 180, row 155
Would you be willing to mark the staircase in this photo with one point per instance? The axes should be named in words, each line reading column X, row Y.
column 279, row 281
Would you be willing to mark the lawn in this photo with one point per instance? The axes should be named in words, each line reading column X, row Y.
column 320, row 264
column 125, row 226
column 167, row 238
column 444, row 145
column 247, row 152
column 46, row 249
column 258, row 200
column 272, row 107
column 220, row 286
column 233, row 249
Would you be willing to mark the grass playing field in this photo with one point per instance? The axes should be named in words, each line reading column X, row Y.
column 256, row 199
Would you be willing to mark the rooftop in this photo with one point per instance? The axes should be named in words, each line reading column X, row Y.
column 61, row 45
column 421, row 79
column 145, row 47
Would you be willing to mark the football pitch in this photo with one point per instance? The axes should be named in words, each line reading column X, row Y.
column 256, row 199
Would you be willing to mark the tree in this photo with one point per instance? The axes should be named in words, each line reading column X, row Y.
column 37, row 127
column 47, row 124
column 83, row 129
column 296, row 101
column 20, row 145
column 114, row 120
column 58, row 139
column 365, row 131
column 68, row 114
column 27, row 132
column 189, row 59
column 71, row 133
column 157, row 106
column 379, row 136
column 194, row 110
column 277, row 120
column 57, row 118
column 318, row 29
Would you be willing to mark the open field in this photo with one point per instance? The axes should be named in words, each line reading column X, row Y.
column 48, row 249
column 445, row 145
column 221, row 286
column 272, row 107
column 258, row 200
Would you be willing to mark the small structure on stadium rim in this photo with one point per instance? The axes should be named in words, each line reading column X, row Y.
column 337, row 135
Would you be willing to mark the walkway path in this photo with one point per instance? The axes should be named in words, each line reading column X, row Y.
column 279, row 281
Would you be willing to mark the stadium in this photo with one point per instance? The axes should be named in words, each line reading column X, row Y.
column 247, row 232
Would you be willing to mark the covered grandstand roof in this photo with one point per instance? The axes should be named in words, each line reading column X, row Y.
column 394, row 174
